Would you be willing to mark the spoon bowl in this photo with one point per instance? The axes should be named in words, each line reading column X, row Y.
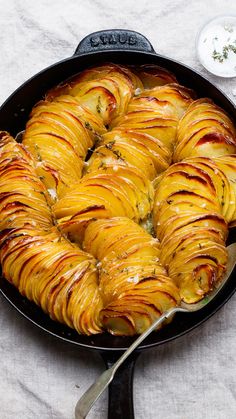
column 85, row 403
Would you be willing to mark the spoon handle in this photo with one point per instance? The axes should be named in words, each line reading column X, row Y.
column 85, row 403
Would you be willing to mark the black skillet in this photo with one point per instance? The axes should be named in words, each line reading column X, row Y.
column 124, row 47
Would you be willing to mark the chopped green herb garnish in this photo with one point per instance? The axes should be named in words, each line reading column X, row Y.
column 118, row 154
column 99, row 105
column 217, row 56
column 88, row 126
column 221, row 56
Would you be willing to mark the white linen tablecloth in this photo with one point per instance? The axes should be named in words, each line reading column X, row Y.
column 193, row 377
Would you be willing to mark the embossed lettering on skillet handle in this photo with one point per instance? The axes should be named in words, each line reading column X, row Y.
column 114, row 39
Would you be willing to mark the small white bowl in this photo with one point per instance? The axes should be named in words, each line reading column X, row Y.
column 216, row 46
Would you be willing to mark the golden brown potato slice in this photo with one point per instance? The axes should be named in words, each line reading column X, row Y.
column 146, row 102
column 164, row 129
column 205, row 108
column 121, row 192
column 23, row 197
column 102, row 98
column 132, row 148
column 152, row 75
column 120, row 230
column 74, row 226
column 204, row 130
column 111, row 70
column 172, row 245
column 198, row 273
column 105, row 90
column 56, row 275
column 189, row 224
column 178, row 223
column 227, row 164
column 191, row 198
column 184, row 180
column 58, row 135
column 221, row 183
column 172, row 96
column 134, row 286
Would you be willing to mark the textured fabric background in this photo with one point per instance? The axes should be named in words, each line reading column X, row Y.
column 191, row 378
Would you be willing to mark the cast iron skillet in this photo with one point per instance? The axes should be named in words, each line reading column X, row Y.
column 124, row 47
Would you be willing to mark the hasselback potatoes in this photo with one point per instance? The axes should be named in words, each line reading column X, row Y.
column 118, row 202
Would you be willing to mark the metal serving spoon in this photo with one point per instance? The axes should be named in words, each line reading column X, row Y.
column 85, row 403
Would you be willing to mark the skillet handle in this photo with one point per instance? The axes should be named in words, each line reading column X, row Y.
column 114, row 39
column 120, row 404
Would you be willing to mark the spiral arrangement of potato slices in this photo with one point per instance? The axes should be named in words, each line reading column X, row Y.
column 43, row 265
column 58, row 136
column 103, row 231
column 204, row 130
column 189, row 224
column 134, row 286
